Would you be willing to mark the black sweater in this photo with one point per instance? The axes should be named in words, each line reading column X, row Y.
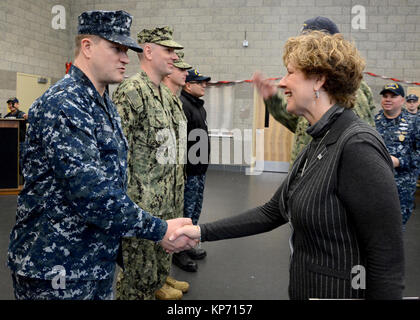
column 198, row 159
column 367, row 199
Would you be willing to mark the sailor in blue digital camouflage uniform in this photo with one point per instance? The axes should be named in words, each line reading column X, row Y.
column 400, row 131
column 73, row 209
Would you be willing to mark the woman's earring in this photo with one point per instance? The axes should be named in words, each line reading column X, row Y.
column 317, row 94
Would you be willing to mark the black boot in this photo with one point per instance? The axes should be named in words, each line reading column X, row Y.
column 183, row 261
column 197, row 254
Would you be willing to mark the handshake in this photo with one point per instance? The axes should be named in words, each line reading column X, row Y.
column 181, row 235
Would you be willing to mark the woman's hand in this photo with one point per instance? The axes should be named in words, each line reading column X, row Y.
column 191, row 231
column 181, row 242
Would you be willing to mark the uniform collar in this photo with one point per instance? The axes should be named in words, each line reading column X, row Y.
column 79, row 76
column 194, row 100
column 169, row 93
column 404, row 114
column 143, row 76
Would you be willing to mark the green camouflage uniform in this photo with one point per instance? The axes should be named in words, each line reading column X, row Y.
column 276, row 106
column 180, row 122
column 150, row 121
column 180, row 127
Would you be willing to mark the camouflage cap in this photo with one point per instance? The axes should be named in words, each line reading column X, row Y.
column 110, row 25
column 180, row 63
column 162, row 36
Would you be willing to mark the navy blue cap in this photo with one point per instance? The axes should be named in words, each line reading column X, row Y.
column 12, row 100
column 194, row 75
column 394, row 88
column 412, row 97
column 110, row 25
column 320, row 24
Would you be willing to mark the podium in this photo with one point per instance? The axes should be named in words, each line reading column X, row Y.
column 9, row 155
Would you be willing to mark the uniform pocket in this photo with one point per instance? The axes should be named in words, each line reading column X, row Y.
column 158, row 119
column 105, row 138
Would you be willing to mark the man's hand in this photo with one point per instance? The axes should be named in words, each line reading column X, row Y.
column 183, row 242
column 266, row 88
column 192, row 232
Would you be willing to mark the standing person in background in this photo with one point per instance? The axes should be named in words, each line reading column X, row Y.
column 276, row 102
column 74, row 209
column 412, row 103
column 146, row 116
column 400, row 131
column 174, row 83
column 197, row 161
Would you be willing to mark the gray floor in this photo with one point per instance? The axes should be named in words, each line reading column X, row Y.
column 238, row 269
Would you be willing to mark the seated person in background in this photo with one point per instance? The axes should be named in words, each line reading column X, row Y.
column 13, row 105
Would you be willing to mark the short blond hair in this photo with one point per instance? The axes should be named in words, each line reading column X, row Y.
column 318, row 53
column 78, row 42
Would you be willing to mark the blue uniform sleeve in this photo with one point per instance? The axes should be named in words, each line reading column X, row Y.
column 410, row 160
column 405, row 162
column 74, row 157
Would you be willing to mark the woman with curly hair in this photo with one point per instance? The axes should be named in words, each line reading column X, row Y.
column 339, row 198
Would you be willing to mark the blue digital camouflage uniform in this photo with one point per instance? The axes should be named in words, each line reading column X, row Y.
column 194, row 191
column 401, row 137
column 73, row 209
column 37, row 289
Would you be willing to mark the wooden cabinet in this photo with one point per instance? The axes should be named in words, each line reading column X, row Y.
column 9, row 154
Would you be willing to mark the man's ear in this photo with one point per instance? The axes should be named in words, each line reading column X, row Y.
column 147, row 51
column 187, row 86
column 86, row 47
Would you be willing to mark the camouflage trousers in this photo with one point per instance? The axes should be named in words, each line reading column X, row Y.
column 146, row 267
column 193, row 197
column 406, row 185
column 39, row 289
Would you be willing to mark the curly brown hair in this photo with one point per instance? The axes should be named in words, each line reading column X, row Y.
column 318, row 53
